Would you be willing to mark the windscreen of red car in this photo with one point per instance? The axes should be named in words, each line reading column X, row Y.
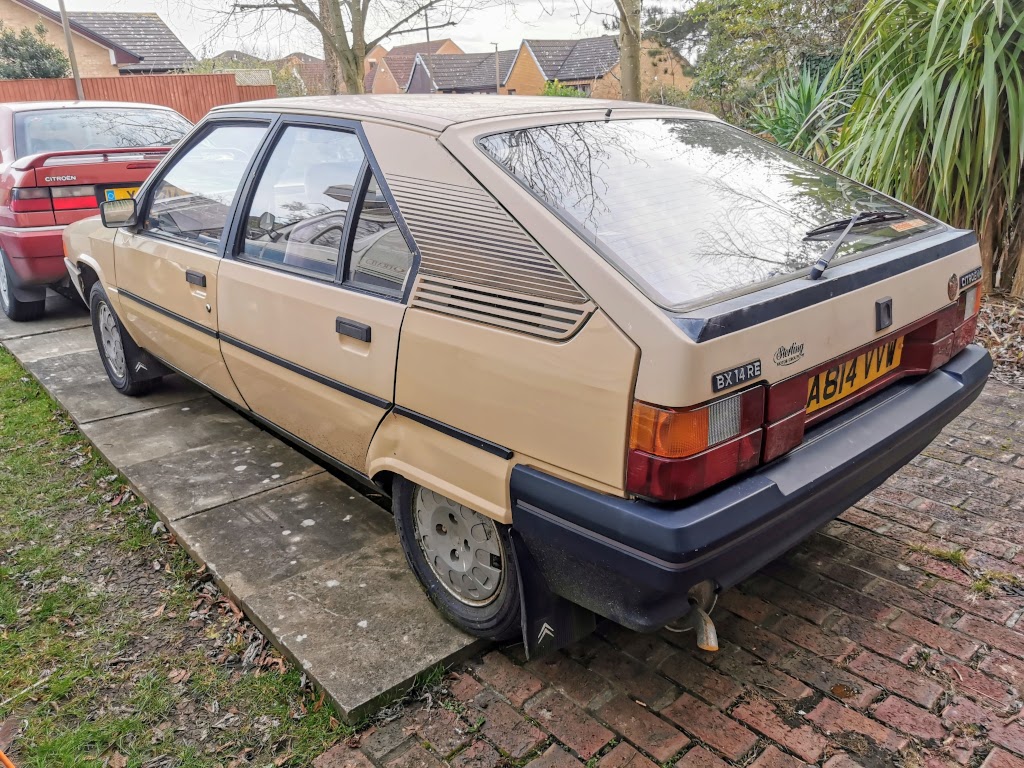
column 78, row 128
column 691, row 210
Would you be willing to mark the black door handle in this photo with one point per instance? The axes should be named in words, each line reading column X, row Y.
column 196, row 278
column 360, row 331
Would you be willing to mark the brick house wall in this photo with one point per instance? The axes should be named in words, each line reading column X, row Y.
column 93, row 59
column 525, row 79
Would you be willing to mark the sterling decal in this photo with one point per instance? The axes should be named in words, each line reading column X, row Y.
column 60, row 178
column 788, row 355
column 735, row 376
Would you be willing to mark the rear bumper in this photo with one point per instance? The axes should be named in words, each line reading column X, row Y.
column 36, row 254
column 634, row 562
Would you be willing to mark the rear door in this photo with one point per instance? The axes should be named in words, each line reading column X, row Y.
column 167, row 267
column 311, row 293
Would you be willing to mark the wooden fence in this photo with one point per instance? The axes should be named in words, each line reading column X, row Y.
column 191, row 95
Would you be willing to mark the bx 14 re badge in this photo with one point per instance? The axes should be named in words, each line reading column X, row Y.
column 735, row 376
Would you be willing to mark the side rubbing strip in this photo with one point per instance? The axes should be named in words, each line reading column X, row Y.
column 366, row 397
column 477, row 442
column 167, row 313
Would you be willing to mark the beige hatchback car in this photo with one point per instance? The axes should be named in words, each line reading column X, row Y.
column 606, row 358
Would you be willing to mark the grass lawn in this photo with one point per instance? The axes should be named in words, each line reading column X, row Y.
column 114, row 647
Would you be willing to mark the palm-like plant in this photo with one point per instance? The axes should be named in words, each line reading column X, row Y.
column 939, row 120
column 801, row 115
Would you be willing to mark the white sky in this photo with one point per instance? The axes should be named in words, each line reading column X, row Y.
column 200, row 25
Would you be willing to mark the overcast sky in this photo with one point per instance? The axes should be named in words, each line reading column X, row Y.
column 202, row 27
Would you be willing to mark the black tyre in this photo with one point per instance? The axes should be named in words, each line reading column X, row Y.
column 118, row 351
column 463, row 559
column 13, row 307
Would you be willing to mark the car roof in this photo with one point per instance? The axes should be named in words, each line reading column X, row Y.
column 438, row 111
column 27, row 106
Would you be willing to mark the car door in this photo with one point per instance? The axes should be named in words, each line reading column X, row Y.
column 167, row 265
column 311, row 296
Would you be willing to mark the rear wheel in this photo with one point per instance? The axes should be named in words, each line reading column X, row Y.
column 13, row 307
column 117, row 350
column 462, row 558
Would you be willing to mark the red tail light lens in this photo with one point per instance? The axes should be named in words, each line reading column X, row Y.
column 73, row 198
column 30, row 200
column 677, row 452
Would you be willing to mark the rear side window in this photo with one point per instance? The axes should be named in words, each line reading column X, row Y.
column 381, row 259
column 193, row 198
column 60, row 130
column 297, row 217
column 693, row 210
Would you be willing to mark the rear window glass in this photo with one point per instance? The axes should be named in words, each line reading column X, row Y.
column 59, row 130
column 691, row 210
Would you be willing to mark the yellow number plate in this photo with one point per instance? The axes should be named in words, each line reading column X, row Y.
column 121, row 193
column 844, row 379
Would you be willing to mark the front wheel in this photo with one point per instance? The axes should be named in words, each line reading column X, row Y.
column 462, row 558
column 117, row 350
column 13, row 307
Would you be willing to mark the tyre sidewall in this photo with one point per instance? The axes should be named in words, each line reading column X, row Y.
column 499, row 619
column 14, row 308
column 127, row 384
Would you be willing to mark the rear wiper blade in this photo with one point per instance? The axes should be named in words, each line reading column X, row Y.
column 862, row 217
column 859, row 218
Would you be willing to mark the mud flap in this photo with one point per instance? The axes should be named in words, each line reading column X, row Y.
column 549, row 622
column 144, row 365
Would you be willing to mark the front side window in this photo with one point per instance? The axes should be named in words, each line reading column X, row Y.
column 192, row 200
column 81, row 128
column 694, row 210
column 296, row 220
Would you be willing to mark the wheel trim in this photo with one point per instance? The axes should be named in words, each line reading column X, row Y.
column 110, row 337
column 460, row 546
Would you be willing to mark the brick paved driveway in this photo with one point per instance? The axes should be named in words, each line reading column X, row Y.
column 871, row 644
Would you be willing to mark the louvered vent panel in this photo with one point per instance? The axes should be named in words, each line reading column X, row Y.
column 478, row 263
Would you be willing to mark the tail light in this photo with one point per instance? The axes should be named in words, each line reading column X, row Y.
column 967, row 308
column 677, row 452
column 73, row 198
column 30, row 199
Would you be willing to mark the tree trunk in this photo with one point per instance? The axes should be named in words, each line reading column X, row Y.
column 629, row 48
column 333, row 78
column 352, row 71
column 1016, row 252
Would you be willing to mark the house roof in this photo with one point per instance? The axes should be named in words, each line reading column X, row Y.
column 466, row 71
column 582, row 59
column 425, row 47
column 144, row 34
column 122, row 55
column 400, row 66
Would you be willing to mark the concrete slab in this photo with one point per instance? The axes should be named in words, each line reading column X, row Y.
column 316, row 565
column 284, row 532
column 359, row 625
column 60, row 314
column 80, row 383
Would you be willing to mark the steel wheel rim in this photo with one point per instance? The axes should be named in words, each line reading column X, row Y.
column 460, row 546
column 111, row 338
column 5, row 290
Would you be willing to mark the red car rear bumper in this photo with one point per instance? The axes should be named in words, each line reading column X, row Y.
column 36, row 254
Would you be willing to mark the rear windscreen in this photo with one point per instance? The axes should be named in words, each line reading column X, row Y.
column 58, row 130
column 693, row 209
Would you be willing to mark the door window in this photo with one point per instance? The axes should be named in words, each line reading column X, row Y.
column 296, row 220
column 381, row 258
column 192, row 200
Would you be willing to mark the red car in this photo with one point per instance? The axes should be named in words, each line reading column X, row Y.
column 58, row 161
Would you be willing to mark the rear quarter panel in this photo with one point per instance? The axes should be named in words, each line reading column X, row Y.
column 90, row 247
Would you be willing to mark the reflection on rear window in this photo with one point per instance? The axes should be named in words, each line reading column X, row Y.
column 59, row 130
column 692, row 209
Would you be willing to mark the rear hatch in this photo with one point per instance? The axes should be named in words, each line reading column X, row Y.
column 723, row 231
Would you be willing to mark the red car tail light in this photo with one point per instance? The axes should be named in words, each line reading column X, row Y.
column 30, row 199
column 677, row 452
column 74, row 198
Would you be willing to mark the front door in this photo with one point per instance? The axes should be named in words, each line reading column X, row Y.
column 167, row 268
column 311, row 296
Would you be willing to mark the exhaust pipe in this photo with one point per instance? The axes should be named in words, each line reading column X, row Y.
column 702, row 601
